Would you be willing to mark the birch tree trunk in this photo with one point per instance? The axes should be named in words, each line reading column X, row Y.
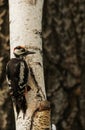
column 26, row 30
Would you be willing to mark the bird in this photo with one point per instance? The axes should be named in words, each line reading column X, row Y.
column 17, row 74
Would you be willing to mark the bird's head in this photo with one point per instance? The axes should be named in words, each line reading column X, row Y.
column 20, row 51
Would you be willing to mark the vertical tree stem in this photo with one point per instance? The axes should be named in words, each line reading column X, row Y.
column 26, row 30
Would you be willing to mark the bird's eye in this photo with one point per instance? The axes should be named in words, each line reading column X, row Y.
column 22, row 50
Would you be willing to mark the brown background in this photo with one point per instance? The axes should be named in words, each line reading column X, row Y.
column 64, row 61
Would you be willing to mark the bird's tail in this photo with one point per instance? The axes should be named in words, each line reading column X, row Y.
column 20, row 104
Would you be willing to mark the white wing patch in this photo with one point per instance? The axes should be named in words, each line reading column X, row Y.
column 22, row 67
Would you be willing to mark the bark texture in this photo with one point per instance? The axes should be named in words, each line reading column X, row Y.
column 63, row 33
column 64, row 56
column 27, row 33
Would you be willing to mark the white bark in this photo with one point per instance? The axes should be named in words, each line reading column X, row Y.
column 25, row 30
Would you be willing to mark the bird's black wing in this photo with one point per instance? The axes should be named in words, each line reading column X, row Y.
column 17, row 72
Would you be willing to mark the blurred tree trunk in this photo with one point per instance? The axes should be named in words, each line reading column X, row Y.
column 64, row 56
column 6, row 109
column 63, row 34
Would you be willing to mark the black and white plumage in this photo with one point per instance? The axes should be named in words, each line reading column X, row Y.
column 17, row 72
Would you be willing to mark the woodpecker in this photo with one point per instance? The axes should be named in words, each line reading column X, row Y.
column 17, row 72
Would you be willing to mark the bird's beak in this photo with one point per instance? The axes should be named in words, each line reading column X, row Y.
column 29, row 52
